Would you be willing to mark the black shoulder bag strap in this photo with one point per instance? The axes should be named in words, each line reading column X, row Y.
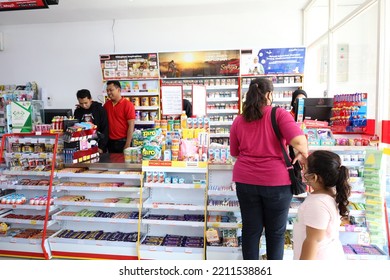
column 277, row 132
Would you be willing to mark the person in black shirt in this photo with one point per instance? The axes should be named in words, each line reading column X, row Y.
column 91, row 111
column 187, row 106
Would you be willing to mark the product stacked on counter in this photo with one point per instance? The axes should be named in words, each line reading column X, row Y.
column 79, row 145
column 171, row 140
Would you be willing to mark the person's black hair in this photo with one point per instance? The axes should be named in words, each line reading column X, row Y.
column 327, row 165
column 83, row 93
column 255, row 99
column 117, row 84
column 187, row 107
column 296, row 93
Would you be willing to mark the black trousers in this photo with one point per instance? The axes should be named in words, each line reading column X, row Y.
column 116, row 146
column 263, row 207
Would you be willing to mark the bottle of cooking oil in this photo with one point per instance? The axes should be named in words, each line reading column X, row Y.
column 183, row 120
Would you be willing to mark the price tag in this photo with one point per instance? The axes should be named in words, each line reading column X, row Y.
column 217, row 225
column 197, row 186
column 33, row 222
column 42, row 155
column 155, row 205
column 168, row 249
column 188, row 250
column 152, row 248
column 13, row 240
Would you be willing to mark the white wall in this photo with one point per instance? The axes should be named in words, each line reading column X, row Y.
column 64, row 57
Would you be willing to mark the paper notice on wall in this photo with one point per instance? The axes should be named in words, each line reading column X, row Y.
column 199, row 100
column 172, row 100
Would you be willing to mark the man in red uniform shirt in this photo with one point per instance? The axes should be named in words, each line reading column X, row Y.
column 121, row 116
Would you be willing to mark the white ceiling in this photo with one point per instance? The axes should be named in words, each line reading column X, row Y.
column 96, row 10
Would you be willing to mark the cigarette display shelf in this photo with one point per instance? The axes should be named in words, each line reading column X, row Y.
column 174, row 211
column 284, row 86
column 100, row 214
column 28, row 178
column 222, row 101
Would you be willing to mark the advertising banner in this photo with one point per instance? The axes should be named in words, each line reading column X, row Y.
column 22, row 5
column 129, row 66
column 272, row 61
column 199, row 64
column 21, row 116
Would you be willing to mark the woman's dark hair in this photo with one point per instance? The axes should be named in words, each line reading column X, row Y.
column 83, row 93
column 255, row 99
column 295, row 95
column 117, row 84
column 327, row 165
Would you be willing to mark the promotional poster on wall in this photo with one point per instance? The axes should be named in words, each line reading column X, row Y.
column 272, row 61
column 129, row 66
column 199, row 64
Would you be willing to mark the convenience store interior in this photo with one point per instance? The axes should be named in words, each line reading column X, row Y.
column 59, row 47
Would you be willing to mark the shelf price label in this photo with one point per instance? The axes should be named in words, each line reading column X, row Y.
column 197, row 186
column 188, row 250
column 33, row 222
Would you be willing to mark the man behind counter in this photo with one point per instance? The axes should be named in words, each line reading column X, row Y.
column 91, row 111
column 121, row 117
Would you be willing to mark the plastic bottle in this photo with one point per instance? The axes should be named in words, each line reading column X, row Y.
column 183, row 120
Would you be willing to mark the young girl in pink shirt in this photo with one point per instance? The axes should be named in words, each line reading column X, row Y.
column 316, row 231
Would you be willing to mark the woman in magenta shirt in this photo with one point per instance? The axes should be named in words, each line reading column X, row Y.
column 260, row 173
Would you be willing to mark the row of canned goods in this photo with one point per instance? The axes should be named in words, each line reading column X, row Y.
column 144, row 100
column 146, row 115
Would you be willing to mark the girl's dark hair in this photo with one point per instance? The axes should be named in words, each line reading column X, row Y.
column 255, row 99
column 327, row 165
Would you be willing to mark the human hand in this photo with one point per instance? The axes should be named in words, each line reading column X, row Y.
column 301, row 158
column 127, row 145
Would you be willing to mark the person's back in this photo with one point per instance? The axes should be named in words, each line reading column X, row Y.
column 263, row 185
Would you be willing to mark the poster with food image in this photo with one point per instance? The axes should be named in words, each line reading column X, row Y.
column 121, row 74
column 130, row 66
column 110, row 64
column 122, row 64
column 272, row 61
column 199, row 64
column 109, row 73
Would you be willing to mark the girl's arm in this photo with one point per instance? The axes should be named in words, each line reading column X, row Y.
column 310, row 245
